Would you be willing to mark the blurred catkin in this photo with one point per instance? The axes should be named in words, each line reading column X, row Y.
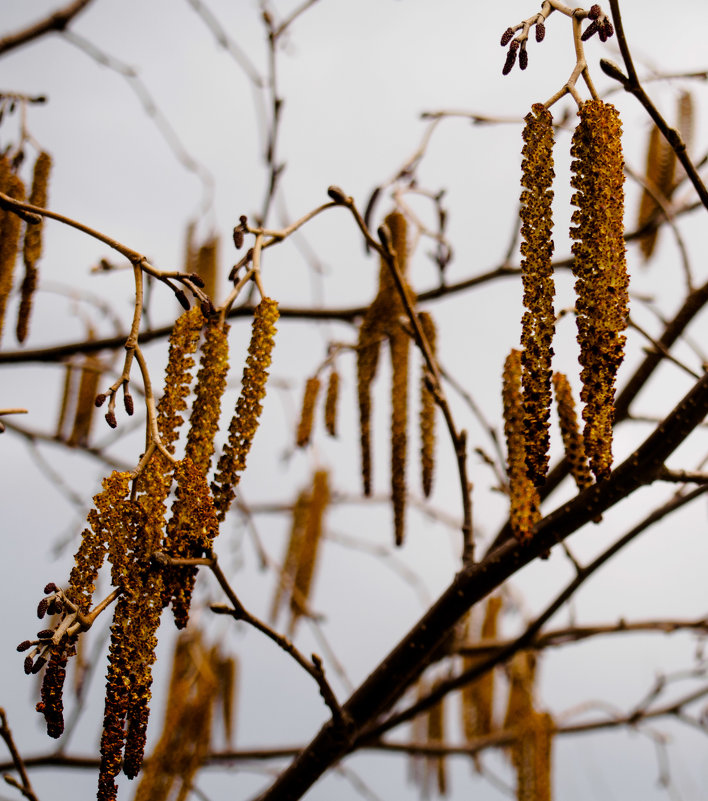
column 538, row 323
column 310, row 546
column 600, row 271
column 10, row 227
column 524, row 513
column 32, row 249
column 244, row 423
column 331, row 401
column 427, row 410
column 307, row 412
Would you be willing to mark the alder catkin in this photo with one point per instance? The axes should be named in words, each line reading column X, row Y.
column 524, row 512
column 32, row 248
column 572, row 439
column 367, row 353
column 286, row 578
column 85, row 402
column 307, row 412
column 245, row 421
column 538, row 323
column 331, row 401
column 400, row 346
column 10, row 227
column 659, row 179
column 427, row 410
column 600, row 270
column 207, row 266
column 310, row 546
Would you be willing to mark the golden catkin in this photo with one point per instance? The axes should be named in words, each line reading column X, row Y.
column 248, row 407
column 525, row 503
column 478, row 695
column 210, row 387
column 399, row 343
column 659, row 180
column 437, row 766
column 600, row 271
column 286, row 580
column 310, row 547
column 367, row 360
column 331, row 401
column 532, row 758
column 522, row 675
column 85, row 402
column 572, row 439
column 190, row 532
column 538, row 323
column 307, row 412
column 186, row 737
column 32, row 248
column 427, row 411
column 10, row 227
column 207, row 266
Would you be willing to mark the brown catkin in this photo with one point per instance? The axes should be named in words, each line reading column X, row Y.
column 659, row 179
column 400, row 347
column 572, row 439
column 478, row 695
column 307, row 412
column 85, row 402
column 331, row 401
column 244, row 423
column 67, row 398
column 32, row 249
column 10, row 227
column 207, row 266
column 367, row 360
column 524, row 513
column 210, row 387
column 436, row 736
column 286, row 579
column 538, row 323
column 310, row 547
column 600, row 270
column 427, row 411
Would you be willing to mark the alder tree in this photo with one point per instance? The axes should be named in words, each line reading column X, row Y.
column 177, row 409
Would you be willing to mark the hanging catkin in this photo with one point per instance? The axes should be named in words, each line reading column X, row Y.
column 331, row 400
column 307, row 412
column 600, row 270
column 427, row 410
column 32, row 248
column 244, row 423
column 10, row 227
column 572, row 439
column 538, row 323
column 524, row 512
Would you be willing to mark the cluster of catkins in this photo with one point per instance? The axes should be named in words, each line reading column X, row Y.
column 601, row 309
column 133, row 532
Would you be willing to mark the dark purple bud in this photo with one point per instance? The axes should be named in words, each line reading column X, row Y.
column 540, row 31
column 111, row 418
column 608, row 29
column 589, row 31
column 506, row 37
column 45, row 634
column 51, row 587
column 338, row 195
column 128, row 403
column 601, row 33
column 243, row 220
column 207, row 308
column 42, row 608
column 100, row 399
column 595, row 11
column 182, row 298
column 523, row 58
column 238, row 238
column 197, row 280
column 24, row 645
column 510, row 60
column 28, row 665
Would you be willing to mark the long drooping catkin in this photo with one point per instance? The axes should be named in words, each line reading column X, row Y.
column 32, row 249
column 659, row 178
column 538, row 323
column 524, row 512
column 400, row 347
column 85, row 402
column 427, row 411
column 600, row 270
column 286, row 579
column 310, row 546
column 244, row 423
column 10, row 227
column 331, row 400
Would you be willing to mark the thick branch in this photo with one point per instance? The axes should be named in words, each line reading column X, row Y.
column 57, row 21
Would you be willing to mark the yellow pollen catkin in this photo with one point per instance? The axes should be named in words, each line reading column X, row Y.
column 538, row 323
column 600, row 270
column 572, row 439
column 307, row 413
column 10, row 228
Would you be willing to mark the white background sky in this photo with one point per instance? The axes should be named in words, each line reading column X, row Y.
column 355, row 77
